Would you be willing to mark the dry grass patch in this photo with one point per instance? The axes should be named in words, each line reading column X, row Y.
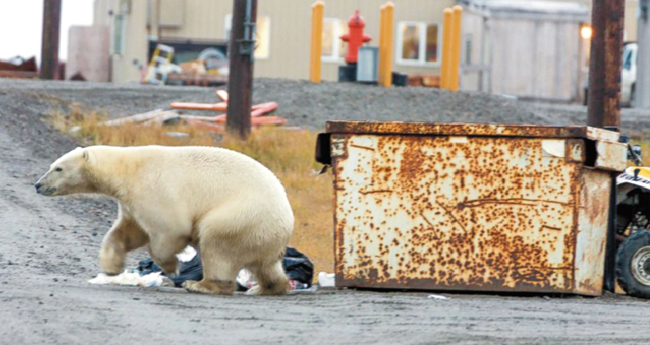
column 288, row 153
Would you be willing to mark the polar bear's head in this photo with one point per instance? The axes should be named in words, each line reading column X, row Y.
column 67, row 175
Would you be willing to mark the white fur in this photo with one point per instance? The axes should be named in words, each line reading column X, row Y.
column 227, row 205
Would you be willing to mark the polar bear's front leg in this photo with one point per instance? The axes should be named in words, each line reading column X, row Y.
column 124, row 236
column 163, row 250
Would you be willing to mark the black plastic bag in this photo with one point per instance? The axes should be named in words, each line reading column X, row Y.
column 297, row 266
column 191, row 270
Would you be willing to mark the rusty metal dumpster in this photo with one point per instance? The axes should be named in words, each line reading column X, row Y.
column 470, row 206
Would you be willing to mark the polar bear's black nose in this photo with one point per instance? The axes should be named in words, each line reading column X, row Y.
column 38, row 186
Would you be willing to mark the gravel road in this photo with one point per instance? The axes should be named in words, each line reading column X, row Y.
column 48, row 246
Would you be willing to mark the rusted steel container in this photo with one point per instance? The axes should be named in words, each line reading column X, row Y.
column 471, row 206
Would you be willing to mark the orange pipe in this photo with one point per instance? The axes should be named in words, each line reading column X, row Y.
column 199, row 106
column 219, row 106
column 223, row 95
column 264, row 108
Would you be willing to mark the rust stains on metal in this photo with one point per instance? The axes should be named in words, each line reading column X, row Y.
column 610, row 156
column 485, row 212
column 591, row 236
column 469, row 129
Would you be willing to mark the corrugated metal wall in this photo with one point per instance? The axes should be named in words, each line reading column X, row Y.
column 536, row 59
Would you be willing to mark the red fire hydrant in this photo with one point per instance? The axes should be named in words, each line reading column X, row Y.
column 355, row 37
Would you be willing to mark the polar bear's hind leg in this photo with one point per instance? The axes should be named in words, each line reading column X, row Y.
column 219, row 274
column 270, row 278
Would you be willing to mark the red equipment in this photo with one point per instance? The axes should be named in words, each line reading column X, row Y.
column 355, row 37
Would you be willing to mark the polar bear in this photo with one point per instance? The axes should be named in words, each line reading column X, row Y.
column 228, row 206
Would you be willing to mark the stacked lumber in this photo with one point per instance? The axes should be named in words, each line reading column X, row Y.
column 258, row 111
column 216, row 123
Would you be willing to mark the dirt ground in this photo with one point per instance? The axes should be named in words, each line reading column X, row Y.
column 48, row 246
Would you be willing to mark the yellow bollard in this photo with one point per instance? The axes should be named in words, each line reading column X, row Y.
column 386, row 31
column 382, row 46
column 317, row 10
column 446, row 50
column 456, row 21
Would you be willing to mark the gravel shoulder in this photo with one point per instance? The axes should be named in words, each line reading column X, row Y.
column 48, row 246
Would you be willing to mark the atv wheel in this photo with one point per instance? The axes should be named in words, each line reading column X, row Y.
column 633, row 265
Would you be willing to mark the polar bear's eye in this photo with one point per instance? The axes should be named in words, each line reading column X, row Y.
column 58, row 169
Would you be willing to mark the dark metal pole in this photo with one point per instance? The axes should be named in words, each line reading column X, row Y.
column 50, row 40
column 604, row 96
column 605, row 64
column 241, row 51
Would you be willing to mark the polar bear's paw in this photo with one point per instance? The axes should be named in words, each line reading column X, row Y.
column 210, row 287
column 270, row 290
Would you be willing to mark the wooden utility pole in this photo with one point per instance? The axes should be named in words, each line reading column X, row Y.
column 607, row 19
column 605, row 64
column 241, row 51
column 50, row 40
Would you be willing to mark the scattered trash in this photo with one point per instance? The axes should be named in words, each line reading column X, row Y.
column 437, row 297
column 188, row 269
column 326, row 279
column 297, row 266
column 187, row 254
column 150, row 277
column 179, row 135
column 132, row 279
column 299, row 270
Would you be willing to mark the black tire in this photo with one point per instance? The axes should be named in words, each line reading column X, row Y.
column 633, row 264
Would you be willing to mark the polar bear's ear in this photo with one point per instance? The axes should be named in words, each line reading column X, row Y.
column 86, row 155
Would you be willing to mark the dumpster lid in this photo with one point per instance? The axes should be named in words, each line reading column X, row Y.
column 470, row 129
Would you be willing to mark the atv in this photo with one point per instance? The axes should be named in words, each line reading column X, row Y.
column 633, row 227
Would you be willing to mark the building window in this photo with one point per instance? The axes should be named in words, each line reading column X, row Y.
column 118, row 34
column 418, row 43
column 262, row 35
column 467, row 50
column 333, row 46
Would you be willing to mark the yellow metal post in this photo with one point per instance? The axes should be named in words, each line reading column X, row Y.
column 454, row 74
column 317, row 10
column 387, row 55
column 446, row 50
column 382, row 46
